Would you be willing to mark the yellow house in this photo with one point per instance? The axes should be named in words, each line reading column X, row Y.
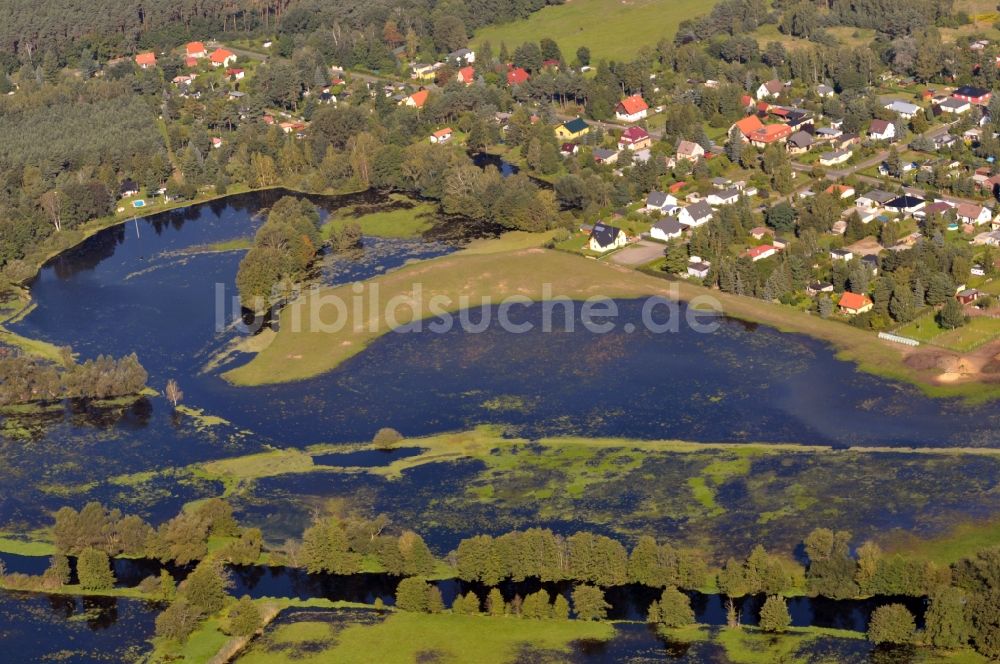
column 573, row 129
column 425, row 72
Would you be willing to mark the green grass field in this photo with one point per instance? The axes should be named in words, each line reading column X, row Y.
column 964, row 339
column 403, row 222
column 611, row 29
column 414, row 637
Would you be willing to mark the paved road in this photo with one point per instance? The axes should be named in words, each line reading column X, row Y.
column 639, row 253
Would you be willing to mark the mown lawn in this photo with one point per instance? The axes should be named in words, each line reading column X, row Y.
column 611, row 29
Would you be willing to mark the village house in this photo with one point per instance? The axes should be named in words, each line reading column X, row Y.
column 424, row 72
column 441, row 135
column 840, row 190
column 799, row 142
column 697, row 267
column 881, row 130
column 605, row 156
column 689, row 151
column 967, row 296
column 874, row 199
column 572, row 130
column 844, row 255
column 146, row 60
column 942, row 141
column 665, row 229
column 770, row 89
column 853, row 304
column 768, row 134
column 817, row 287
column 823, row 90
column 222, row 57
column 827, row 133
column 759, row 232
column 973, row 95
column 631, row 109
column 569, row 149
column 416, row 100
column 761, row 252
column 517, row 76
column 466, row 75
column 696, row 214
column 634, row 138
column 726, row 197
column 235, row 74
column 128, row 188
column 835, row 157
column 903, row 109
column 987, row 239
column 462, row 56
column 906, row 204
column 969, row 213
column 955, row 106
column 196, row 50
column 604, row 237
column 660, row 202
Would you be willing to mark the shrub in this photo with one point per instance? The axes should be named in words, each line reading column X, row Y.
column 386, row 438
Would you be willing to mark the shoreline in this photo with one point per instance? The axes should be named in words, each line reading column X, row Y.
column 936, row 372
column 920, row 367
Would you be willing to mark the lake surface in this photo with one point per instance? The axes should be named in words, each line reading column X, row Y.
column 127, row 290
column 140, row 288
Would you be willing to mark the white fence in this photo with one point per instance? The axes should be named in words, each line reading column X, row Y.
column 898, row 339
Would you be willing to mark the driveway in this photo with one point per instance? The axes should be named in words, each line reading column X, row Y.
column 639, row 253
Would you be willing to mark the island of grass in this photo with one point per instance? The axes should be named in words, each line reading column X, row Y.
column 516, row 264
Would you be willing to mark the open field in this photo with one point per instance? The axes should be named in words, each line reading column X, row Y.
column 611, row 29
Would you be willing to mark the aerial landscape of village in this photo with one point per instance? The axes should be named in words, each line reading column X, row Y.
column 450, row 331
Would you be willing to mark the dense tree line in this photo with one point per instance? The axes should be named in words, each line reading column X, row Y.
column 24, row 379
column 283, row 249
column 182, row 539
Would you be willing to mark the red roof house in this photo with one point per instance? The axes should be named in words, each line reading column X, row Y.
column 517, row 76
column 222, row 57
column 146, row 60
column 634, row 138
column 195, row 49
column 748, row 125
column 854, row 303
column 631, row 109
column 466, row 75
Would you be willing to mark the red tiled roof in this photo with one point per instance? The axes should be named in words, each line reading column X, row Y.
column 771, row 133
column 634, row 134
column 632, row 105
column 517, row 76
column 466, row 75
column 419, row 98
column 442, row 132
column 854, row 301
column 195, row 47
column 147, row 58
column 220, row 55
column 749, row 124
